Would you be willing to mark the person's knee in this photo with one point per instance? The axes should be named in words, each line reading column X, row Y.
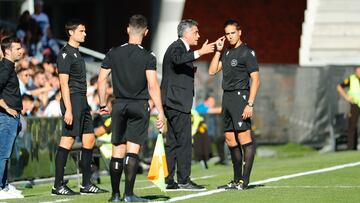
column 132, row 147
column 118, row 151
column 88, row 141
column 231, row 142
column 67, row 142
column 244, row 137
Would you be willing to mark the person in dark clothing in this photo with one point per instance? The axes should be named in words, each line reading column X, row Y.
column 10, row 108
column 75, row 111
column 134, row 78
column 177, row 92
column 353, row 97
column 239, row 66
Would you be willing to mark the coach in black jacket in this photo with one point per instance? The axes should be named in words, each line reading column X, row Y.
column 177, row 91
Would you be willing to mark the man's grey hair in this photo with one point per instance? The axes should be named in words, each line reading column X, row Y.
column 185, row 25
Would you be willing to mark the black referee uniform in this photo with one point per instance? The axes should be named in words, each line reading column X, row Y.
column 70, row 61
column 130, row 111
column 237, row 64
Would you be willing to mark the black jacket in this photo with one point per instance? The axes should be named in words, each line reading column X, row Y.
column 177, row 85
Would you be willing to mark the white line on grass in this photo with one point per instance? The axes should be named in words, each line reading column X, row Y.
column 59, row 200
column 312, row 186
column 210, row 192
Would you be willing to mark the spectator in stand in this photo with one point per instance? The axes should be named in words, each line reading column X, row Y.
column 50, row 46
column 53, row 108
column 41, row 18
column 28, row 105
column 40, row 90
column 23, row 76
column 90, row 93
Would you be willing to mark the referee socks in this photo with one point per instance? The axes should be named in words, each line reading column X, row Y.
column 116, row 168
column 236, row 158
column 85, row 161
column 60, row 162
column 131, row 164
column 249, row 153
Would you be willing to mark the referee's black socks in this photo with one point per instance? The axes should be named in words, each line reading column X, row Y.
column 249, row 153
column 116, row 168
column 60, row 162
column 131, row 164
column 85, row 161
column 236, row 158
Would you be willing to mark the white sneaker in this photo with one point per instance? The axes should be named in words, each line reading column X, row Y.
column 6, row 195
column 13, row 191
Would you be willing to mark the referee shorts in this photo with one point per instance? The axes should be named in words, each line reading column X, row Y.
column 233, row 106
column 130, row 121
column 82, row 120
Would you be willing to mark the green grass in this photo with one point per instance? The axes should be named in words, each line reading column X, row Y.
column 342, row 185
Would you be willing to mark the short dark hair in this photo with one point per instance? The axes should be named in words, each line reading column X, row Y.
column 184, row 25
column 138, row 21
column 72, row 25
column 7, row 41
column 27, row 97
column 232, row 22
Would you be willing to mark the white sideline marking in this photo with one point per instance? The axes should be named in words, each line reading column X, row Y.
column 152, row 186
column 311, row 186
column 59, row 200
column 210, row 192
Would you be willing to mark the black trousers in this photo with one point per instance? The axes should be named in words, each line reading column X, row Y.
column 352, row 131
column 178, row 147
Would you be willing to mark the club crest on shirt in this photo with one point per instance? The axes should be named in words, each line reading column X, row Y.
column 64, row 55
column 234, row 62
column 253, row 53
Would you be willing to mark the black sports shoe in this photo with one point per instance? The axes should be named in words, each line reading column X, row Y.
column 91, row 189
column 115, row 197
column 233, row 185
column 63, row 190
column 172, row 186
column 134, row 198
column 191, row 186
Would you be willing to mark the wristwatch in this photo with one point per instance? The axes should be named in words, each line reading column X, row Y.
column 250, row 103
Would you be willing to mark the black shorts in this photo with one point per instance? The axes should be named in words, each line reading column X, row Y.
column 130, row 121
column 82, row 120
column 233, row 104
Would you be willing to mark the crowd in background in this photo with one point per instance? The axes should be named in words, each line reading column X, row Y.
column 37, row 72
column 39, row 79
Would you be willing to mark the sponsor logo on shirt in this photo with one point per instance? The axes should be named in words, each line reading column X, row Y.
column 75, row 55
column 234, row 62
column 64, row 55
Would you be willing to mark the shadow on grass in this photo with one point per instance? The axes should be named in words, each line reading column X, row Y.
column 156, row 197
column 254, row 186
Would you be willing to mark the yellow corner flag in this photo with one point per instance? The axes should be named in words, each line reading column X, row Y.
column 158, row 168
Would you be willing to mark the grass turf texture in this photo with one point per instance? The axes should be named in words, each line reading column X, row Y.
column 341, row 185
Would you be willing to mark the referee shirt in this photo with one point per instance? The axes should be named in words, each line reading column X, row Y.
column 237, row 64
column 128, row 64
column 69, row 61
